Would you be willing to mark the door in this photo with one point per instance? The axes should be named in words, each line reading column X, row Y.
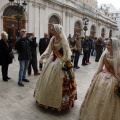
column 10, row 25
column 12, row 32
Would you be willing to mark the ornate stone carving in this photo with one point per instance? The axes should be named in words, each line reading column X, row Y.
column 99, row 23
column 39, row 5
column 69, row 14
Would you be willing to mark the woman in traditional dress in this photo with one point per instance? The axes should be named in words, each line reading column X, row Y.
column 102, row 101
column 56, row 87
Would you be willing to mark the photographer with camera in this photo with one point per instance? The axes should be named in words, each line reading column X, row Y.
column 24, row 56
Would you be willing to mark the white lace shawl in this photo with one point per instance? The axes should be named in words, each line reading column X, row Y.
column 65, row 45
column 116, row 58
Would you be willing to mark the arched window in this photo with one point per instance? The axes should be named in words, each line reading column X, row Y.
column 77, row 28
column 77, row 25
column 92, row 31
column 92, row 28
column 11, row 11
column 103, row 32
column 54, row 20
column 110, row 34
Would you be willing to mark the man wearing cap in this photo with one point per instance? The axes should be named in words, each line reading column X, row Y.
column 78, row 50
column 24, row 56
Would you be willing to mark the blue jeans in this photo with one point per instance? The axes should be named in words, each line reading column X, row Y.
column 23, row 68
column 77, row 55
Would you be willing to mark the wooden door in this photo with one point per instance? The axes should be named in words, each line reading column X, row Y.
column 12, row 35
column 10, row 25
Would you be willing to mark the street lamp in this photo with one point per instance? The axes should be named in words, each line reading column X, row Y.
column 85, row 22
column 20, row 9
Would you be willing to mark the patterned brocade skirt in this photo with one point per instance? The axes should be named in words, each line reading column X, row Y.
column 69, row 95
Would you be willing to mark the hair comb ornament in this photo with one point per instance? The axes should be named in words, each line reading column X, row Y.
column 58, row 28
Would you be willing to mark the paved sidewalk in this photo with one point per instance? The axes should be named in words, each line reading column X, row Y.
column 18, row 103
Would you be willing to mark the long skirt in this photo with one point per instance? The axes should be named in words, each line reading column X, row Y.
column 101, row 102
column 69, row 94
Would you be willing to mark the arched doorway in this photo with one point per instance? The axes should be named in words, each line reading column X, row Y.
column 77, row 28
column 110, row 34
column 53, row 20
column 10, row 23
column 92, row 31
column 103, row 32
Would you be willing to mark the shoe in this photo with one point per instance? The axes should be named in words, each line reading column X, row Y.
column 77, row 67
column 8, row 78
column 36, row 74
column 20, row 84
column 29, row 74
column 84, row 64
column 88, row 63
column 25, row 80
column 5, row 79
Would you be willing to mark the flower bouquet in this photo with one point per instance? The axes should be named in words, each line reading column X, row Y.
column 67, row 66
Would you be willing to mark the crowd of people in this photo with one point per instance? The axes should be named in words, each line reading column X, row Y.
column 56, row 87
column 88, row 46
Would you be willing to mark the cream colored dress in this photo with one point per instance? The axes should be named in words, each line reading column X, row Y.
column 49, row 87
column 101, row 102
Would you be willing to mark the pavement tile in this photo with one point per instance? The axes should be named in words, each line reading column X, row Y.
column 18, row 103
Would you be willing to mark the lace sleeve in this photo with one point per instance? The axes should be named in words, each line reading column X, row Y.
column 47, row 52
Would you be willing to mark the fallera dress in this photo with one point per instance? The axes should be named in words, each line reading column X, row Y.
column 101, row 102
column 54, row 89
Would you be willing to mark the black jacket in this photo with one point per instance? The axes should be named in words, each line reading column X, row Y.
column 85, row 46
column 5, row 49
column 99, row 46
column 43, row 44
column 24, row 49
column 33, row 46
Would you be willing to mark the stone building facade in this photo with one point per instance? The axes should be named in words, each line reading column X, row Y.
column 114, row 14
column 69, row 13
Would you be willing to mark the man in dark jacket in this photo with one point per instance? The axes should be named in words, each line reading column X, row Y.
column 99, row 48
column 33, row 61
column 24, row 56
column 90, row 44
column 43, row 43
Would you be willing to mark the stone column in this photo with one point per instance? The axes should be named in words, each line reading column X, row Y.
column 98, row 29
column 67, row 28
column 1, row 23
column 64, row 21
column 43, row 19
column 71, row 25
column 35, row 22
column 30, row 18
column 107, row 30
